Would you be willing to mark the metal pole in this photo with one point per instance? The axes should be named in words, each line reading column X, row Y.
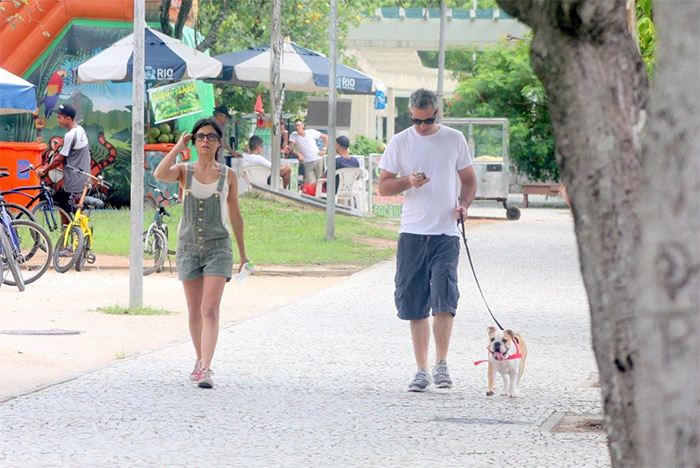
column 441, row 58
column 137, row 129
column 275, row 91
column 330, row 179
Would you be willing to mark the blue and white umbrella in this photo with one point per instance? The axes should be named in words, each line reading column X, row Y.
column 16, row 95
column 167, row 59
column 301, row 70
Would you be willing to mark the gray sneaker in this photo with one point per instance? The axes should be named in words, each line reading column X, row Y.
column 441, row 376
column 421, row 382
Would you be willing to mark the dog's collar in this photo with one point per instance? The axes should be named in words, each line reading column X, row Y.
column 517, row 354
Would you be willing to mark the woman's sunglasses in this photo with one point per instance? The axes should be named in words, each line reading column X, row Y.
column 209, row 136
column 429, row 121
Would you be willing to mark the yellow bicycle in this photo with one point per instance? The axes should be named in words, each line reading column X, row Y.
column 74, row 245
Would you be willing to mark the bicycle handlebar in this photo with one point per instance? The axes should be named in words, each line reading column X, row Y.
column 29, row 168
column 170, row 198
column 99, row 179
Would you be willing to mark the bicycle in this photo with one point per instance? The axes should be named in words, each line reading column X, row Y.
column 15, row 210
column 46, row 213
column 155, row 238
column 25, row 248
column 74, row 245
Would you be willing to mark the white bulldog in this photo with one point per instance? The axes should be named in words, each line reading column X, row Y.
column 507, row 354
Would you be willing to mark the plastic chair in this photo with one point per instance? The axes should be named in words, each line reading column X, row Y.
column 360, row 194
column 255, row 174
column 347, row 177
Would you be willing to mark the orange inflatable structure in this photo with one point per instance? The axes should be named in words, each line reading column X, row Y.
column 27, row 30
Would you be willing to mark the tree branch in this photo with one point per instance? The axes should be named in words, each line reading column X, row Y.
column 185, row 8
column 165, row 18
column 210, row 38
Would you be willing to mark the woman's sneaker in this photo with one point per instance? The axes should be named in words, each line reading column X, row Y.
column 195, row 373
column 204, row 379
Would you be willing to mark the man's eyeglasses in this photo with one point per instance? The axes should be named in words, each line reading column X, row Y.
column 429, row 121
column 209, row 136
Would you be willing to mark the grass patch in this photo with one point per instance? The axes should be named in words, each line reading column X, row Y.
column 117, row 309
column 275, row 234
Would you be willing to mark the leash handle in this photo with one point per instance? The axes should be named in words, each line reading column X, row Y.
column 466, row 247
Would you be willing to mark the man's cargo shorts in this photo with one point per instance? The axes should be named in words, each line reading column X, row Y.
column 426, row 275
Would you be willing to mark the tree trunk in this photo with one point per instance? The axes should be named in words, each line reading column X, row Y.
column 668, row 304
column 597, row 90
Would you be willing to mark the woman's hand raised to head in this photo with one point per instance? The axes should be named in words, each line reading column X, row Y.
column 184, row 139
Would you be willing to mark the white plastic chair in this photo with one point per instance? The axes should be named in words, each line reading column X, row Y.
column 347, row 177
column 255, row 174
column 360, row 194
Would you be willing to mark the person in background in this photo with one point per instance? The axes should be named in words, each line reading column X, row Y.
column 343, row 158
column 222, row 116
column 303, row 142
column 75, row 152
column 252, row 155
column 204, row 256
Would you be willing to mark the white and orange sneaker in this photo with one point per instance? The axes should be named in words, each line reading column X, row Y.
column 204, row 379
column 195, row 372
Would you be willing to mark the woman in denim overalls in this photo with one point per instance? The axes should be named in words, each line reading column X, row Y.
column 204, row 257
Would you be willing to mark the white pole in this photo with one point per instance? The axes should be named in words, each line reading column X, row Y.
column 330, row 180
column 441, row 59
column 137, row 129
column 275, row 91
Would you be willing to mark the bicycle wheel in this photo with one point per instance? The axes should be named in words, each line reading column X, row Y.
column 18, row 211
column 69, row 247
column 82, row 259
column 7, row 258
column 155, row 248
column 35, row 250
column 53, row 222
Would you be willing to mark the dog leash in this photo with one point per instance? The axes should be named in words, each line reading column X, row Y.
column 466, row 247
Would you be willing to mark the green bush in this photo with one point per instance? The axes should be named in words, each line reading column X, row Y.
column 365, row 146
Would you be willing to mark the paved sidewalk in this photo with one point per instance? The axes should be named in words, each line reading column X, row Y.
column 323, row 382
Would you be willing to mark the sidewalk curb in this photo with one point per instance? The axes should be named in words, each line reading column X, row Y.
column 261, row 271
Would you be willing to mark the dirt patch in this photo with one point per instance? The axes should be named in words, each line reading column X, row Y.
column 378, row 242
column 580, row 424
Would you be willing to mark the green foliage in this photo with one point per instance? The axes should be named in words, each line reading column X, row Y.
column 365, row 146
column 647, row 34
column 500, row 82
column 275, row 234
column 461, row 4
column 305, row 22
column 117, row 309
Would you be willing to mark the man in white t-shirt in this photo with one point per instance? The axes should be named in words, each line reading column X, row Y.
column 252, row 156
column 74, row 152
column 303, row 142
column 426, row 161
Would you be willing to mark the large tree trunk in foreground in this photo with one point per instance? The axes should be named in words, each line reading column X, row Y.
column 668, row 368
column 597, row 91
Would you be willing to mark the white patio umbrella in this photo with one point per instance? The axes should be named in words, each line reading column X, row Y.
column 301, row 70
column 167, row 59
column 16, row 94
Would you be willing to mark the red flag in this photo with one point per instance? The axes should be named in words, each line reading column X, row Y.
column 259, row 105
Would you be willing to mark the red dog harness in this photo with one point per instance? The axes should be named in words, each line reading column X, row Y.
column 517, row 355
